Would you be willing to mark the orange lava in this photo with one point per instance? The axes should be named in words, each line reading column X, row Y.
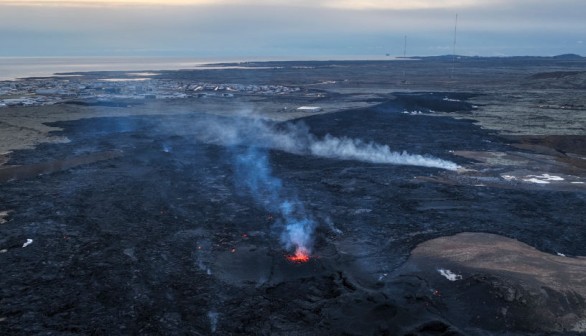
column 300, row 256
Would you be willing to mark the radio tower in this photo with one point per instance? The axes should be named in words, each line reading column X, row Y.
column 404, row 80
column 454, row 49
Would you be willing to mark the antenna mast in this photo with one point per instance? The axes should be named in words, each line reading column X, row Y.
column 404, row 80
column 455, row 33
column 454, row 49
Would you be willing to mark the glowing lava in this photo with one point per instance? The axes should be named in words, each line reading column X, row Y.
column 301, row 256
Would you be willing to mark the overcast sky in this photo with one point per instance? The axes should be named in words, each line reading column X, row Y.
column 248, row 28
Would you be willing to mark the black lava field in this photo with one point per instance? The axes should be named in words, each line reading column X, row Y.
column 164, row 239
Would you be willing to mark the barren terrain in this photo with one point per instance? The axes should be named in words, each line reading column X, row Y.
column 435, row 198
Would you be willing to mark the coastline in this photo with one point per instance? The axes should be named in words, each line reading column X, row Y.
column 22, row 68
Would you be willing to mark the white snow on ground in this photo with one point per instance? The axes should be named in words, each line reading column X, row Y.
column 412, row 112
column 561, row 254
column 542, row 179
column 539, row 179
column 577, row 182
column 536, row 180
column 449, row 274
column 28, row 242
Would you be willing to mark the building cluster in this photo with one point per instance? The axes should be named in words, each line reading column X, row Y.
column 46, row 91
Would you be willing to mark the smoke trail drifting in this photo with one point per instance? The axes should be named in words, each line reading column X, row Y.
column 351, row 149
column 253, row 172
column 297, row 139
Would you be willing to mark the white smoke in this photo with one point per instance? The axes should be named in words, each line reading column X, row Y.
column 213, row 316
column 253, row 173
column 297, row 139
column 352, row 149
column 298, row 231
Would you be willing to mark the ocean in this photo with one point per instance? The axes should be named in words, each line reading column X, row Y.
column 23, row 67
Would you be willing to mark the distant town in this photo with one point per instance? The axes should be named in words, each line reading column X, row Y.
column 53, row 90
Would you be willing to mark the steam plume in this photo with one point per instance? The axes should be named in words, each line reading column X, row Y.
column 297, row 139
column 250, row 139
column 351, row 149
column 253, row 172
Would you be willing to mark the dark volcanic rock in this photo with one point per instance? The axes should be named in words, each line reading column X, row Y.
column 161, row 240
column 500, row 284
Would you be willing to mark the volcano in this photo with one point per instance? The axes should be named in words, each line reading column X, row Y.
column 300, row 256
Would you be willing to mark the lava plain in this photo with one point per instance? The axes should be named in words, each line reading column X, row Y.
column 161, row 241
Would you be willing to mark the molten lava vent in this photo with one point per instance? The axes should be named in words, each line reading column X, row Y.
column 301, row 256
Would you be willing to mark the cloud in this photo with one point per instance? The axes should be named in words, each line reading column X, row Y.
column 233, row 28
column 102, row 3
column 342, row 4
column 402, row 4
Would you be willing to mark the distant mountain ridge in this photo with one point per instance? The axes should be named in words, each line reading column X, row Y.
column 557, row 57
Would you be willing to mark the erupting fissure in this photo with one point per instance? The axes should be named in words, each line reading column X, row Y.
column 301, row 256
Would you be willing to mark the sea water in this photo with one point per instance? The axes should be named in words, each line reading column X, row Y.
column 23, row 67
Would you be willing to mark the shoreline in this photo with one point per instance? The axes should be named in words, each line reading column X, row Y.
column 70, row 64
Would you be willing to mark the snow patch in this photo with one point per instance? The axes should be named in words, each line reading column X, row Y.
column 362, row 211
column 538, row 179
column 449, row 274
column 412, row 112
column 535, row 180
column 28, row 242
column 542, row 179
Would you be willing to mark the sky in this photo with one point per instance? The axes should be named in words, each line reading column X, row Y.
column 295, row 28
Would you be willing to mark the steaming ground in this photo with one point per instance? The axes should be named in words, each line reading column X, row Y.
column 188, row 231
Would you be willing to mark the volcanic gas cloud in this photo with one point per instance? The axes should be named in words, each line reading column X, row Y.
column 254, row 174
column 296, row 138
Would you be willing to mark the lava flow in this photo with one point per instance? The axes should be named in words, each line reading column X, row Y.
column 300, row 256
